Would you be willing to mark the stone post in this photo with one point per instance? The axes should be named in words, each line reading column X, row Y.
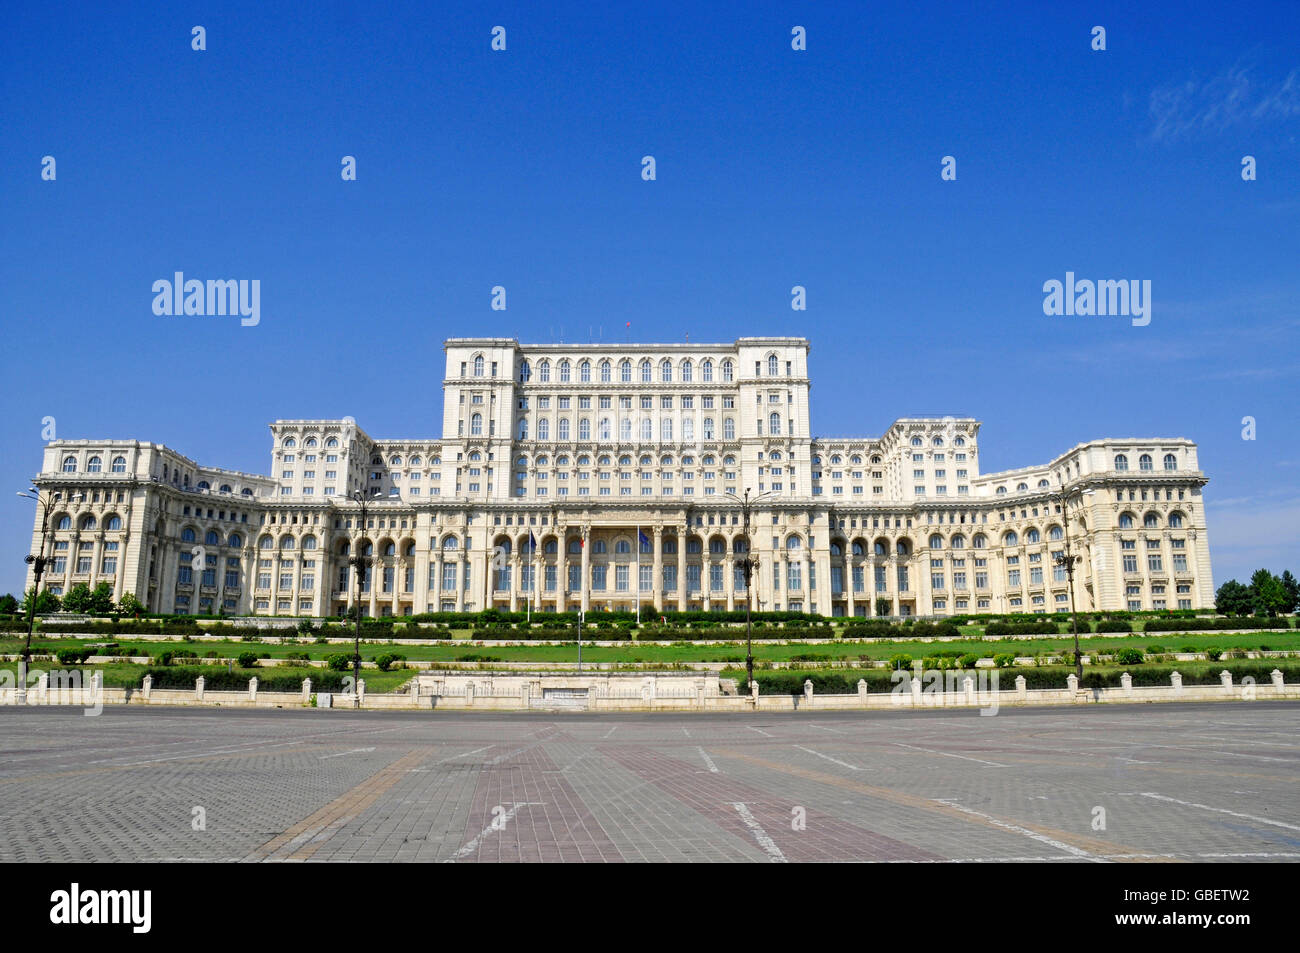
column 469, row 694
column 1126, row 683
column 1177, row 679
column 415, row 691
column 968, row 689
column 862, row 690
column 252, row 689
column 1022, row 690
column 361, row 691
column 147, row 687
column 753, row 690
column 525, row 695
column 1225, row 679
column 1072, row 682
column 306, row 690
column 808, row 688
column 1276, row 676
column 914, row 683
column 97, row 686
column 43, row 688
column 20, row 689
column 198, row 688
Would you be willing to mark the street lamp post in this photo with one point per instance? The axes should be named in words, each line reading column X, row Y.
column 747, row 566
column 360, row 562
column 38, row 561
column 1067, row 560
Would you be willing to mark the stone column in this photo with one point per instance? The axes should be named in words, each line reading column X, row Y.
column 681, row 568
column 657, row 578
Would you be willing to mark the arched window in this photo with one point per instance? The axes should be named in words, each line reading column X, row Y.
column 1175, row 520
column 288, row 543
column 771, row 365
column 1032, row 536
column 1010, row 538
column 688, row 428
column 478, row 365
column 728, row 370
column 551, row 547
column 543, row 429
column 65, row 522
column 936, row 541
column 916, row 441
column 584, row 372
column 309, row 542
column 331, row 444
column 564, row 428
column 598, row 547
column 622, row 547
column 687, row 371
column 880, row 548
column 119, row 464
column 666, row 429
column 390, row 549
column 708, row 428
column 211, row 539
column 523, row 429
column 113, row 523
column 1125, row 520
column 1022, row 487
column 647, row 429
column 625, row 429
column 605, row 372
column 666, row 370
column 564, row 372
column 226, row 488
column 1151, row 521
column 902, row 549
column 476, row 425
column 525, row 371
column 625, row 371
column 937, row 442
column 1144, row 462
column 646, row 371
column 584, row 429
column 1001, row 490
column 1043, row 484
column 774, row 424
column 187, row 535
column 1121, row 462
column 449, row 544
column 69, row 464
column 857, row 549
column 575, row 547
column 706, row 371
column 290, row 443
column 235, row 540
column 1055, row 533
column 604, row 433
column 544, row 372
column 1171, row 462
column 93, row 465
column 978, row 541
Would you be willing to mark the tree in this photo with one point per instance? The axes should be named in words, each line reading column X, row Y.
column 101, row 600
column 130, row 605
column 46, row 602
column 1267, row 593
column 8, row 604
column 1292, row 587
column 1233, row 599
column 77, row 599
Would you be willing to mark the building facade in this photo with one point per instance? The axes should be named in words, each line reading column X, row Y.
column 600, row 477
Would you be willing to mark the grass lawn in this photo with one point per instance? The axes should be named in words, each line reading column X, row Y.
column 632, row 653
column 122, row 675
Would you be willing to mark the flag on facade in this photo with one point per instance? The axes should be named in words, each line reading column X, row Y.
column 532, row 541
column 645, row 540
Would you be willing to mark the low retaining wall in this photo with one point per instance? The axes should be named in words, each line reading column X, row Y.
column 638, row 692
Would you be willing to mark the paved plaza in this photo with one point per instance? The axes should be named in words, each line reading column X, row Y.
column 1211, row 782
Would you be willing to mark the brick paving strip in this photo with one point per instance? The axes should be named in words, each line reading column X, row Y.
column 755, row 816
column 523, row 809
column 303, row 839
column 1076, row 845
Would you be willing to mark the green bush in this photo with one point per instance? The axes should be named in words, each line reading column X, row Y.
column 247, row 659
column 901, row 660
column 1005, row 660
column 339, row 661
column 1213, row 654
column 69, row 657
column 1114, row 626
column 1155, row 649
column 1129, row 657
column 968, row 660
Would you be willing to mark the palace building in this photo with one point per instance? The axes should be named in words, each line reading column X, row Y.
column 599, row 476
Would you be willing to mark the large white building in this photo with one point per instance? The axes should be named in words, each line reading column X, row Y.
column 591, row 476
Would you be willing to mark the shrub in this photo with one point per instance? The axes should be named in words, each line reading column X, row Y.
column 74, row 656
column 1114, row 625
column 247, row 660
column 1214, row 654
column 1129, row 657
column 339, row 661
column 901, row 660
column 968, row 660
column 386, row 661
column 305, row 627
column 1006, row 660
column 1155, row 649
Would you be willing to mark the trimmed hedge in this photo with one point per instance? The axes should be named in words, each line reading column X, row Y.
column 216, row 678
column 1215, row 624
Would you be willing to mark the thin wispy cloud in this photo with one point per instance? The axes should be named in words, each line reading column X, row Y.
column 1229, row 100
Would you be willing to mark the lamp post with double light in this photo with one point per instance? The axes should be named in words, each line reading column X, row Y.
column 38, row 562
column 360, row 562
column 747, row 565
column 1067, row 560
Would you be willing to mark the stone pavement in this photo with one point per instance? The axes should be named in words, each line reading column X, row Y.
column 1122, row 783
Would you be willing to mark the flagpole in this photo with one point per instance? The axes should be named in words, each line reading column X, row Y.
column 637, row 587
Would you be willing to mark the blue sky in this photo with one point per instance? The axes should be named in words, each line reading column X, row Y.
column 775, row 168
